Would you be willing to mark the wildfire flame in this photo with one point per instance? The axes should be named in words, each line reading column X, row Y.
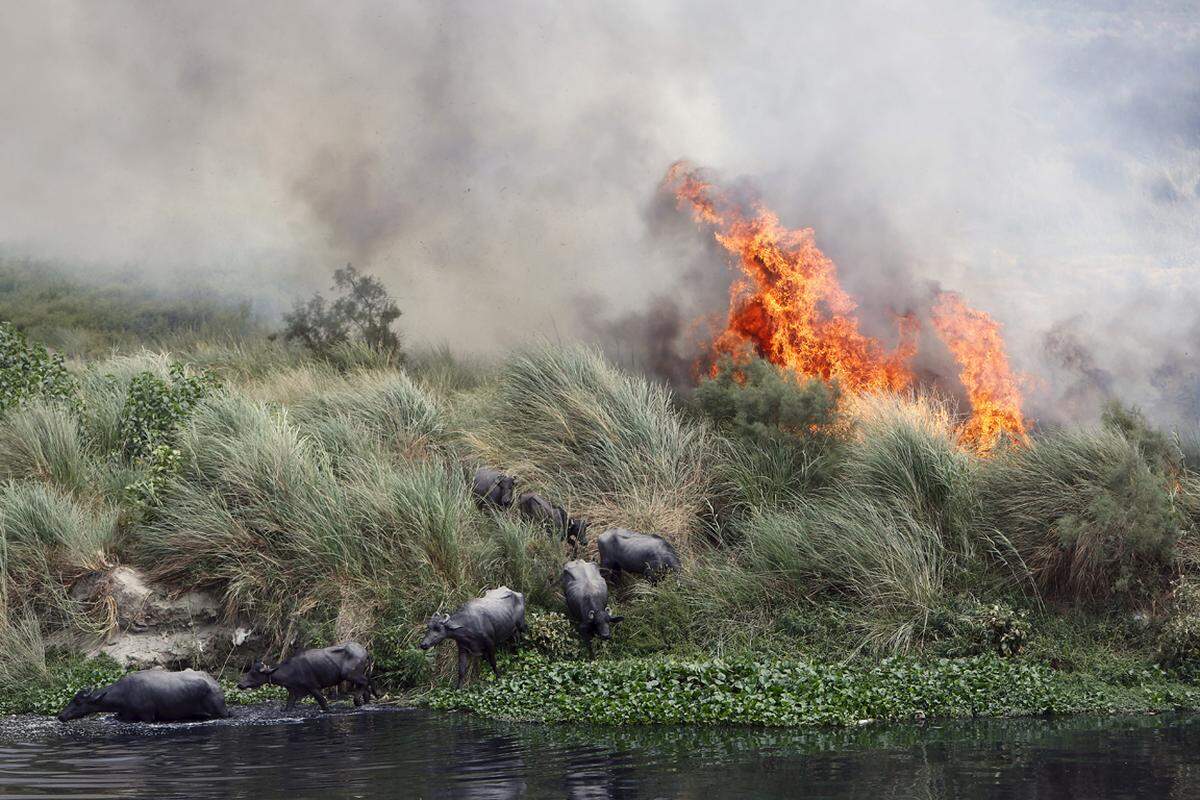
column 974, row 339
column 789, row 307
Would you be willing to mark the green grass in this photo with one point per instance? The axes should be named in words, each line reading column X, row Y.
column 328, row 498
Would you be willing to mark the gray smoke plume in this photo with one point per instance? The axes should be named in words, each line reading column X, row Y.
column 498, row 163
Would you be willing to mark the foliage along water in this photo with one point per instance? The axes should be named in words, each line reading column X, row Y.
column 423, row 754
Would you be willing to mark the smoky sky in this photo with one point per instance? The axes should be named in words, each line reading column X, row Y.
column 498, row 163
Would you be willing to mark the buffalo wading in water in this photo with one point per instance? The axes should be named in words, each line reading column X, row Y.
column 479, row 626
column 309, row 672
column 586, row 595
column 646, row 554
column 492, row 488
column 152, row 696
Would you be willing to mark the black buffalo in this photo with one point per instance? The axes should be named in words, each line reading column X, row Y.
column 479, row 627
column 492, row 488
column 645, row 554
column 586, row 594
column 537, row 508
column 309, row 672
column 152, row 696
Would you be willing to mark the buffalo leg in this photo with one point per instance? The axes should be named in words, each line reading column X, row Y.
column 291, row 701
column 462, row 666
column 490, row 655
column 320, row 698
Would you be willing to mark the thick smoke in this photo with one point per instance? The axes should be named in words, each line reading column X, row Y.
column 497, row 163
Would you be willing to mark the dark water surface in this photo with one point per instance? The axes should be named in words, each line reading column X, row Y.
column 420, row 754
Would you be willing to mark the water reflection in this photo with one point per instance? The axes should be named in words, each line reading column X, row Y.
column 423, row 755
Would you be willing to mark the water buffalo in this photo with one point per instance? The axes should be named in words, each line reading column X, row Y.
column 479, row 626
column 492, row 487
column 586, row 594
column 152, row 696
column 309, row 672
column 645, row 554
column 537, row 508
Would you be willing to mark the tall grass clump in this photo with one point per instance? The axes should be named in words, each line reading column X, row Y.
column 611, row 445
column 1094, row 513
column 903, row 453
column 260, row 513
column 844, row 543
column 389, row 407
column 48, row 539
column 41, row 441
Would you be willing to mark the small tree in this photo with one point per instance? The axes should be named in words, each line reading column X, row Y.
column 364, row 312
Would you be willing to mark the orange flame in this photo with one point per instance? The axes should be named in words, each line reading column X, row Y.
column 789, row 307
column 974, row 339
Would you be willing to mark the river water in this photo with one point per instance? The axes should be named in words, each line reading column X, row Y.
column 419, row 754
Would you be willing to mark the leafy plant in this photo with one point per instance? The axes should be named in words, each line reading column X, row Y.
column 66, row 676
column 974, row 628
column 552, row 635
column 1178, row 645
column 155, row 409
column 760, row 401
column 29, row 370
column 745, row 691
column 363, row 312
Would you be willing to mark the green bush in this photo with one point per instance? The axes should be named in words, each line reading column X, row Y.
column 1094, row 519
column 28, row 370
column 1178, row 645
column 973, row 628
column 552, row 635
column 762, row 402
column 155, row 409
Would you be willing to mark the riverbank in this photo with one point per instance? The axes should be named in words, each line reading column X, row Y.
column 878, row 559
column 733, row 691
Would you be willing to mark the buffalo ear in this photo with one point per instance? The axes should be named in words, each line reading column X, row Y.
column 452, row 626
column 265, row 670
column 615, row 620
column 96, row 695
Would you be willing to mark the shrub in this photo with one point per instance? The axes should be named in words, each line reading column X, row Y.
column 155, row 408
column 552, row 635
column 1178, row 645
column 29, row 370
column 759, row 401
column 363, row 313
column 973, row 628
column 1091, row 517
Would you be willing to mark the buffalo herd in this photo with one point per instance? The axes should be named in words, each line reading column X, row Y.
column 478, row 627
